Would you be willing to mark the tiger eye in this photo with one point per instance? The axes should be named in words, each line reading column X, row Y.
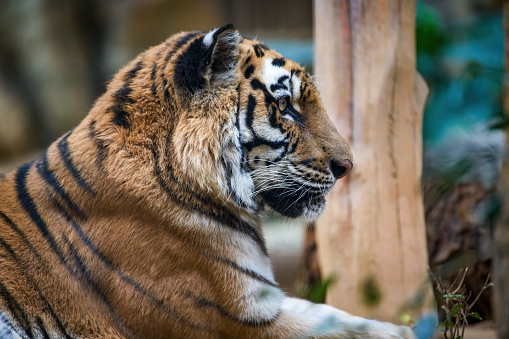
column 282, row 104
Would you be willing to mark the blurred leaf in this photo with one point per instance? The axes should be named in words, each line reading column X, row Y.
column 429, row 30
column 405, row 318
column 318, row 291
column 475, row 315
column 455, row 309
column 446, row 323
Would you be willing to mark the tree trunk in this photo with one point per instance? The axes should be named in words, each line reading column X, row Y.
column 501, row 253
column 372, row 235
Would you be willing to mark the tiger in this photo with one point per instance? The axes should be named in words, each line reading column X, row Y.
column 144, row 221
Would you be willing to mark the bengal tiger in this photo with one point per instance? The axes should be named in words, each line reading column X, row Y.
column 144, row 221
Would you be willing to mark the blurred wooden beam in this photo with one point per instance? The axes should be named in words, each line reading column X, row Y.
column 372, row 235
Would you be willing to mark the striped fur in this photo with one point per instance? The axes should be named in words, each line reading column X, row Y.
column 144, row 220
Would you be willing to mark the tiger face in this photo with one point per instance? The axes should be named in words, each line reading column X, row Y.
column 290, row 147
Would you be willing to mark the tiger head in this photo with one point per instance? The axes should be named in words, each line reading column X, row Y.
column 287, row 145
column 244, row 125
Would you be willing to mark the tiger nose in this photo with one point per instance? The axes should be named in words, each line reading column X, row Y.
column 340, row 168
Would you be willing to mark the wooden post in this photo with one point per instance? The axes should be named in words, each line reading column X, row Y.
column 501, row 253
column 372, row 235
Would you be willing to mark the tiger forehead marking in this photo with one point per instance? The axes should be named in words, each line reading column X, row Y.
column 144, row 221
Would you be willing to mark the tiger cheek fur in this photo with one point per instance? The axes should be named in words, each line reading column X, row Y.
column 145, row 220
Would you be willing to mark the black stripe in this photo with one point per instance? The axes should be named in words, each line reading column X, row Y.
column 16, row 310
column 122, row 98
column 120, row 116
column 153, row 78
column 122, row 95
column 190, row 66
column 303, row 95
column 12, row 305
column 30, row 280
column 42, row 329
column 282, row 79
column 167, row 94
column 132, row 72
column 280, row 84
column 257, row 84
column 272, row 144
column 251, row 105
column 244, row 270
column 179, row 43
column 99, row 143
column 249, row 71
column 259, row 50
column 2, row 176
column 29, row 206
column 202, row 302
column 279, row 62
column 294, row 146
column 275, row 87
column 50, row 178
column 237, row 126
column 86, row 277
column 65, row 153
column 20, row 233
column 176, row 46
column 8, row 248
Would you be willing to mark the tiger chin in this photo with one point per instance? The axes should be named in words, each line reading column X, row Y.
column 144, row 221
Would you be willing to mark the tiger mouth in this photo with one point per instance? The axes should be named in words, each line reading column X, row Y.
column 293, row 203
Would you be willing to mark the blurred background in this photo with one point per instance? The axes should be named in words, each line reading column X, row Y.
column 57, row 56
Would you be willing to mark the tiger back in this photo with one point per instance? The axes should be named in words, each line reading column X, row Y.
column 144, row 221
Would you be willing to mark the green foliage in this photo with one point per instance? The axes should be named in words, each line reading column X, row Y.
column 456, row 304
column 429, row 31
column 316, row 292
column 462, row 65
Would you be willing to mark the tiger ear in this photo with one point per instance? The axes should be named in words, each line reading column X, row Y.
column 222, row 56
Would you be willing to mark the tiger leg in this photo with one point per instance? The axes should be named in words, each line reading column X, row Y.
column 302, row 319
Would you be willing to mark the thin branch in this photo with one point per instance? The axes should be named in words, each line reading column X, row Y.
column 486, row 286
column 461, row 282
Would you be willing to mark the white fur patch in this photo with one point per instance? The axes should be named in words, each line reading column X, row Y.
column 264, row 130
column 241, row 182
column 259, row 300
column 270, row 76
column 207, row 39
column 245, row 132
column 296, row 87
column 248, row 255
column 326, row 321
